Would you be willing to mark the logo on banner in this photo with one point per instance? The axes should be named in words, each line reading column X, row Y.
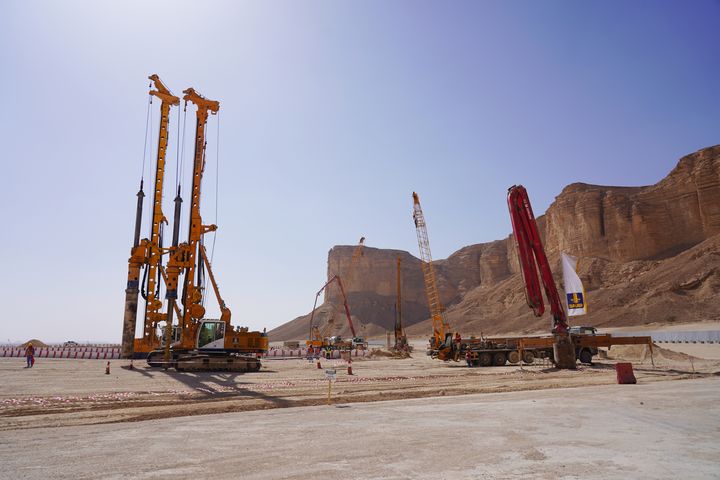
column 575, row 300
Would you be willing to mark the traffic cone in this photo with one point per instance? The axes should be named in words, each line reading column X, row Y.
column 318, row 365
column 107, row 369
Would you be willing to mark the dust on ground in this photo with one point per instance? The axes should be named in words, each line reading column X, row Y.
column 61, row 392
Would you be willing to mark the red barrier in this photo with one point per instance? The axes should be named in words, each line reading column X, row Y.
column 625, row 373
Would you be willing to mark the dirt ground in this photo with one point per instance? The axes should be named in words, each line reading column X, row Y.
column 598, row 432
column 78, row 392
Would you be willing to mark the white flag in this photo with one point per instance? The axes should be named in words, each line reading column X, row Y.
column 574, row 291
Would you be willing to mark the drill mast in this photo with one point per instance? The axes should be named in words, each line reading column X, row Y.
column 185, row 256
column 148, row 252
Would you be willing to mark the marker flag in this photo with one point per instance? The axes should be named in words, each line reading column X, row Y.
column 574, row 291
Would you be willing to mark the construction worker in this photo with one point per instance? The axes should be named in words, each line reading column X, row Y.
column 468, row 358
column 30, row 355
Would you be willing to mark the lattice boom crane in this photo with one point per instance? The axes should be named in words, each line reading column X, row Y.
column 442, row 336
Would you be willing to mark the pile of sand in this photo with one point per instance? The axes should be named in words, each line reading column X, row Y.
column 641, row 353
column 36, row 343
column 384, row 353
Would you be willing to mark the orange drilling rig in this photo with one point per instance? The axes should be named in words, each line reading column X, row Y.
column 401, row 341
column 195, row 343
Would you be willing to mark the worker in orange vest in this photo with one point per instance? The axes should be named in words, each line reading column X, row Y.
column 30, row 355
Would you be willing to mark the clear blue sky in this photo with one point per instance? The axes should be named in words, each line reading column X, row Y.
column 332, row 113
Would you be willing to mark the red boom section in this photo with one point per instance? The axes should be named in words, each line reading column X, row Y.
column 532, row 257
column 345, row 304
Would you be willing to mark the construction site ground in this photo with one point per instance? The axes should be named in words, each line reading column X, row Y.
column 656, row 429
column 65, row 392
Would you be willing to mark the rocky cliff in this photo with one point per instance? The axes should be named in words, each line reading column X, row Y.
column 647, row 254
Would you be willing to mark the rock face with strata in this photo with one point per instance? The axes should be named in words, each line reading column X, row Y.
column 640, row 223
column 647, row 254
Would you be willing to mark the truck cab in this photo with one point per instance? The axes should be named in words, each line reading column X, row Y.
column 582, row 330
column 584, row 354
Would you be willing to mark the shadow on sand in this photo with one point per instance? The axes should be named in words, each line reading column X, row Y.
column 213, row 385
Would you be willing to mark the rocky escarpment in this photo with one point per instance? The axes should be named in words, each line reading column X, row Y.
column 631, row 241
column 639, row 223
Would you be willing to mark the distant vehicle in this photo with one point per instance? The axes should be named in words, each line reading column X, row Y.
column 583, row 330
column 70, row 343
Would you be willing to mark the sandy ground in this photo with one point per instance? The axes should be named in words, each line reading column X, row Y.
column 77, row 392
column 608, row 431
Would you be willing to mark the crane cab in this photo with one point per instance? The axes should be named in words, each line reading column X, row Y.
column 211, row 335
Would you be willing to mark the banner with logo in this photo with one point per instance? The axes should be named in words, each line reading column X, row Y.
column 574, row 291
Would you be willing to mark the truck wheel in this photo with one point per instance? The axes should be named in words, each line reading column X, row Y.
column 528, row 357
column 499, row 359
column 485, row 359
column 585, row 356
column 513, row 357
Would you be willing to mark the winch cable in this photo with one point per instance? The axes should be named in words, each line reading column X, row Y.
column 147, row 125
column 143, row 283
column 142, row 179
column 150, row 205
column 217, row 183
column 159, row 280
column 201, row 271
column 180, row 161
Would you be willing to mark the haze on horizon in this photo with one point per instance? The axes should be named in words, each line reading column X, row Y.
column 331, row 114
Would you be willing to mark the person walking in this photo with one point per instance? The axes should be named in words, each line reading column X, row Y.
column 30, row 355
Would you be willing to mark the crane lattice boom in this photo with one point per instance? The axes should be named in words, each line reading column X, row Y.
column 440, row 325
